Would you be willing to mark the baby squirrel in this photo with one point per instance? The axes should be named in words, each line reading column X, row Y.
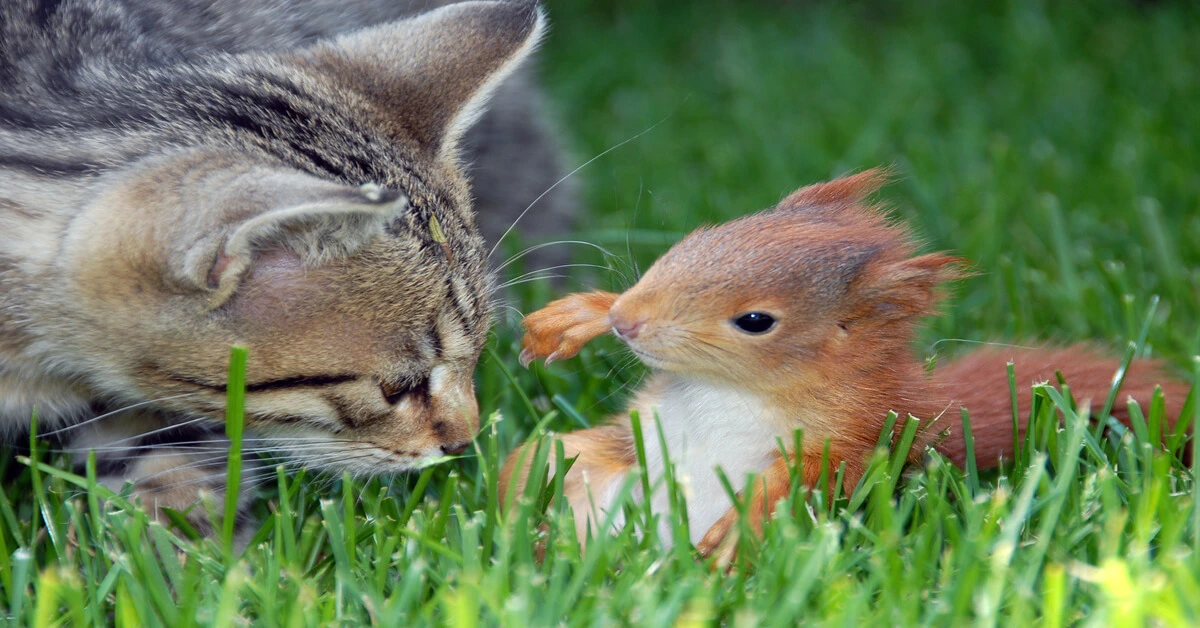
column 801, row 316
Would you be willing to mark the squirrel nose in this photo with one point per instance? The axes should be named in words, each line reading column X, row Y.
column 626, row 329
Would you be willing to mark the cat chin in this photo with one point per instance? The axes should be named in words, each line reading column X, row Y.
column 382, row 463
column 359, row 458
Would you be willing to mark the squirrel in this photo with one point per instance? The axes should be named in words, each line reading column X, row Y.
column 798, row 317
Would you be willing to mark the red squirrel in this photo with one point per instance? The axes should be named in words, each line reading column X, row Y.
column 801, row 316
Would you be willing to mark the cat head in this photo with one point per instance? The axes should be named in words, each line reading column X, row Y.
column 310, row 206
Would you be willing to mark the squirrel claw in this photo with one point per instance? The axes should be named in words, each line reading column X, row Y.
column 559, row 330
column 527, row 357
column 725, row 554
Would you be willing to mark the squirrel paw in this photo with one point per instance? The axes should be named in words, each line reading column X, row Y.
column 720, row 543
column 559, row 330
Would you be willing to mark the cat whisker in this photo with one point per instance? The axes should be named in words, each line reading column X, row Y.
column 109, row 447
column 168, row 428
column 538, row 247
column 209, row 461
column 361, row 491
column 299, row 439
column 519, row 313
column 330, row 450
column 327, row 478
column 216, row 441
column 252, row 478
column 525, row 276
column 517, row 282
column 114, row 412
column 637, row 272
column 219, row 470
column 1005, row 345
column 79, row 451
column 568, row 176
column 139, row 451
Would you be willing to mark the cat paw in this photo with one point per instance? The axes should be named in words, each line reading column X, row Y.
column 559, row 330
column 192, row 484
column 169, row 468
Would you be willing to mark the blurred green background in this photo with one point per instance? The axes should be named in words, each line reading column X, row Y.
column 1054, row 144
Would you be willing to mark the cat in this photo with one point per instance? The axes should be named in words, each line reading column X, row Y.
column 292, row 176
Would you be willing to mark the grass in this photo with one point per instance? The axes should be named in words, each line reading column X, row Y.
column 1054, row 144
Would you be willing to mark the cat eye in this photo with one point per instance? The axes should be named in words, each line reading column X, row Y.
column 755, row 322
column 396, row 390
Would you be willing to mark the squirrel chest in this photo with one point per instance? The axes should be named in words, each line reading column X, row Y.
column 705, row 427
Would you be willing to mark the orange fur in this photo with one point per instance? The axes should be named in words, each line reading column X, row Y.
column 979, row 381
column 847, row 291
column 602, row 457
column 772, row 485
column 850, row 189
column 559, row 330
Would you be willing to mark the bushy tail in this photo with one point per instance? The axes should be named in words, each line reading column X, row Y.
column 979, row 382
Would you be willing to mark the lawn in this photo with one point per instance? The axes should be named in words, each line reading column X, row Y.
column 1056, row 145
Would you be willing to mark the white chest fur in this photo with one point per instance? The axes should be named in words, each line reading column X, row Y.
column 706, row 428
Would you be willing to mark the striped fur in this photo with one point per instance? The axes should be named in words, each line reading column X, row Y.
column 179, row 177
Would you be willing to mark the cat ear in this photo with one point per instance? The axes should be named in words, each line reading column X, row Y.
column 313, row 220
column 431, row 76
column 909, row 288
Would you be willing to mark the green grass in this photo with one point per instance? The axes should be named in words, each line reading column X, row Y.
column 1054, row 144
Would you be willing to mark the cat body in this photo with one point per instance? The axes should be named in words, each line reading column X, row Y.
column 177, row 178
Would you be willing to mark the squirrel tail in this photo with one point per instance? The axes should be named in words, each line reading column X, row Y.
column 979, row 383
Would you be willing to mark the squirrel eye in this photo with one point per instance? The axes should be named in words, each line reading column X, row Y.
column 755, row 322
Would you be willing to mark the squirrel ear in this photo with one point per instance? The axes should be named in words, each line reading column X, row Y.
column 314, row 220
column 837, row 194
column 431, row 76
column 908, row 288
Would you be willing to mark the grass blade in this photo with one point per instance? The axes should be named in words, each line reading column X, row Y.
column 972, row 467
column 235, row 417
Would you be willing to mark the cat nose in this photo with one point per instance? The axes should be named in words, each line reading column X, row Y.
column 627, row 330
column 456, row 448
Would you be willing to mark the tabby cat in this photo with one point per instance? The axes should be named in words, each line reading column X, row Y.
column 178, row 177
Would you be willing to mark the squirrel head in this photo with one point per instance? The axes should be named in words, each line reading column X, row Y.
column 821, row 283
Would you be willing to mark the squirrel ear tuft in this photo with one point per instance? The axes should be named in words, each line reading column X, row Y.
column 314, row 220
column 909, row 288
column 430, row 77
column 837, row 194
